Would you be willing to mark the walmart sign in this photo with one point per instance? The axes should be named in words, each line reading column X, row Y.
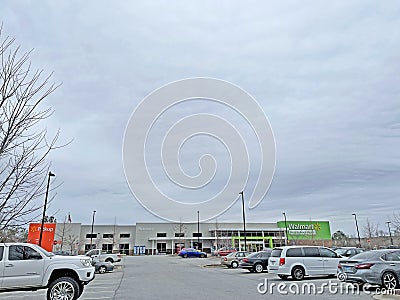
column 306, row 230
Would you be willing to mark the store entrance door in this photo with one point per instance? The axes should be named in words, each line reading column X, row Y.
column 161, row 247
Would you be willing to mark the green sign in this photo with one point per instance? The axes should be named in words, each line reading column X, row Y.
column 306, row 230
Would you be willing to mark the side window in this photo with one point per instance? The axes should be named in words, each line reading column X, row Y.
column 294, row 252
column 311, row 252
column 1, row 252
column 16, row 252
column 31, row 253
column 327, row 253
column 394, row 256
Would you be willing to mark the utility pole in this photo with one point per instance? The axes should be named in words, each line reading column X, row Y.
column 44, row 207
column 244, row 222
column 358, row 232
column 91, row 232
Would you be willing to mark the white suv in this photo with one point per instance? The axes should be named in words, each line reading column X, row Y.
column 300, row 261
column 29, row 267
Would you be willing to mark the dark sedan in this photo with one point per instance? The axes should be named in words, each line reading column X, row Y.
column 256, row 262
column 380, row 267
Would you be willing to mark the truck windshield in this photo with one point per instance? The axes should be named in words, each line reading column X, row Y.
column 48, row 254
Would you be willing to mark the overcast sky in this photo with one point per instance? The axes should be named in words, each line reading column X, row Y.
column 325, row 73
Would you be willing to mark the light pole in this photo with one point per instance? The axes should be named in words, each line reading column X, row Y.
column 244, row 222
column 91, row 233
column 198, row 230
column 44, row 207
column 390, row 233
column 286, row 232
column 358, row 232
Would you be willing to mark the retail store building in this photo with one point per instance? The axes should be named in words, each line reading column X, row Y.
column 168, row 238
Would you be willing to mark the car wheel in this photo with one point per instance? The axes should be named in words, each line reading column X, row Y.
column 202, row 255
column 283, row 276
column 298, row 273
column 102, row 269
column 185, row 255
column 110, row 260
column 63, row 288
column 389, row 280
column 258, row 268
column 234, row 264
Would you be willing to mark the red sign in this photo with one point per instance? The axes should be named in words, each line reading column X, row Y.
column 47, row 236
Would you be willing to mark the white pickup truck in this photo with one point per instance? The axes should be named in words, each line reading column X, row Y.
column 26, row 266
column 99, row 255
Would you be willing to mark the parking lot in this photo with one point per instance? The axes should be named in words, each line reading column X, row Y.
column 171, row 277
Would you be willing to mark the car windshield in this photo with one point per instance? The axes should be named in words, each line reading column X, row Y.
column 276, row 252
column 340, row 251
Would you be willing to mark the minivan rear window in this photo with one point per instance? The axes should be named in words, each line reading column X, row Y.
column 276, row 252
column 294, row 252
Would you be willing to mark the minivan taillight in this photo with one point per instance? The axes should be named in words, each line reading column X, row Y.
column 363, row 266
column 281, row 261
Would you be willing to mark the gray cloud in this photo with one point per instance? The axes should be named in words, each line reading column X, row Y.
column 326, row 74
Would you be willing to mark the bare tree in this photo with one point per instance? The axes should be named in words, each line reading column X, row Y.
column 370, row 229
column 395, row 221
column 23, row 145
column 13, row 234
column 180, row 233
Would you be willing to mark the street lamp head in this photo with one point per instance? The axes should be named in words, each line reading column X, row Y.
column 388, row 222
column 51, row 174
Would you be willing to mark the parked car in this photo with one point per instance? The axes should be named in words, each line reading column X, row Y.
column 349, row 251
column 190, row 252
column 300, row 261
column 256, row 262
column 225, row 251
column 103, row 266
column 233, row 259
column 99, row 255
column 381, row 267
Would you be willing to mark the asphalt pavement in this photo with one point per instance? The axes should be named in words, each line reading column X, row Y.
column 171, row 277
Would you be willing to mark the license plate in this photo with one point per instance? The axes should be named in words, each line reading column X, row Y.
column 348, row 269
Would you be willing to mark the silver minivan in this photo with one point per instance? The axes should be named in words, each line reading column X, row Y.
column 300, row 261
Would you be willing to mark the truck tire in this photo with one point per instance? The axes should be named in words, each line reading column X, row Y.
column 63, row 288
column 110, row 260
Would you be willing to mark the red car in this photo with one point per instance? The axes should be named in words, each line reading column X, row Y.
column 225, row 251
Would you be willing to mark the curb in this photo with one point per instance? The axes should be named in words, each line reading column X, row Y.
column 213, row 266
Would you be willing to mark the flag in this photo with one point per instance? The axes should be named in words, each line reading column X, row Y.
column 69, row 218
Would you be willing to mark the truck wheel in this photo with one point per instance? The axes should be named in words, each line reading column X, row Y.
column 63, row 288
column 81, row 287
column 110, row 260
